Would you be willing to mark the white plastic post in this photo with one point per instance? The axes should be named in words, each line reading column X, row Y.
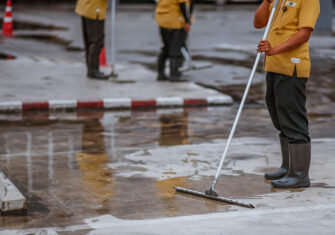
column 112, row 52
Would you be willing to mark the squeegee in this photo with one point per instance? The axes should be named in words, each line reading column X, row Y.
column 188, row 58
column 211, row 193
column 190, row 64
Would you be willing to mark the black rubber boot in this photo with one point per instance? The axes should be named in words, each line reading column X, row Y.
column 161, row 67
column 175, row 74
column 95, row 74
column 297, row 176
column 93, row 69
column 282, row 171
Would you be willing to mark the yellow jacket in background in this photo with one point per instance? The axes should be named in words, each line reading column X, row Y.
column 169, row 15
column 92, row 9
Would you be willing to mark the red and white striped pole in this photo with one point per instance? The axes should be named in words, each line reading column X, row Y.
column 7, row 29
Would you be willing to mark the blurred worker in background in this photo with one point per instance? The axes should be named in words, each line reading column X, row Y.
column 93, row 13
column 174, row 20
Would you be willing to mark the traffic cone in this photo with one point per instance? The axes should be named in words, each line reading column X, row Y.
column 7, row 29
column 102, row 58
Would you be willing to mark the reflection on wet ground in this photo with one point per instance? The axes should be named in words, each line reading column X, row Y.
column 45, row 38
column 60, row 164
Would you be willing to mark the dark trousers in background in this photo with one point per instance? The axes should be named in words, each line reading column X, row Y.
column 93, row 32
column 286, row 101
column 173, row 40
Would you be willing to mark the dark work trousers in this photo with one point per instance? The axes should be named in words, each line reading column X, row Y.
column 93, row 32
column 286, row 101
column 173, row 40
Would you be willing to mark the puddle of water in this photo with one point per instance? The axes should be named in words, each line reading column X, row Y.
column 45, row 38
column 321, row 185
column 141, row 52
column 293, row 190
column 25, row 25
column 61, row 166
column 31, row 26
column 174, row 129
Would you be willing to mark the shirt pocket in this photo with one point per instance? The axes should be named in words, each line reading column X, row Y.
column 289, row 15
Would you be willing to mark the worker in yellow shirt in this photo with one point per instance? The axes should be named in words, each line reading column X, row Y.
column 93, row 13
column 174, row 20
column 288, row 66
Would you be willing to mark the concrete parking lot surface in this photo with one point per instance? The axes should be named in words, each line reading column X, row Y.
column 91, row 172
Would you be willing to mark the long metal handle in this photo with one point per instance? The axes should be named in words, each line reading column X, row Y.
column 187, row 57
column 243, row 100
column 113, row 13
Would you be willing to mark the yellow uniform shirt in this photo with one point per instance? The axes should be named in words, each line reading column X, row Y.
column 169, row 15
column 288, row 19
column 92, row 9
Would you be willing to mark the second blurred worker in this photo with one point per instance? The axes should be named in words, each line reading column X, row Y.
column 93, row 13
column 174, row 20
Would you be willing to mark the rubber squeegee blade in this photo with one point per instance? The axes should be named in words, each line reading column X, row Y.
column 217, row 198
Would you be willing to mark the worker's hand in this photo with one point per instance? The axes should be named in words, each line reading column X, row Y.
column 187, row 27
column 265, row 46
column 192, row 19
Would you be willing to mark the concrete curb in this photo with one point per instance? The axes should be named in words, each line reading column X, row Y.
column 11, row 199
column 114, row 103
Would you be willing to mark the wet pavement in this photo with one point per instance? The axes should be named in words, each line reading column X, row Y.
column 48, row 42
column 89, row 170
column 73, row 167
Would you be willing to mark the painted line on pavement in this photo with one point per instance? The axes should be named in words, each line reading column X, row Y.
column 35, row 106
column 219, row 100
column 113, row 103
column 90, row 104
column 195, row 102
column 169, row 101
column 144, row 104
column 62, row 104
column 117, row 103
